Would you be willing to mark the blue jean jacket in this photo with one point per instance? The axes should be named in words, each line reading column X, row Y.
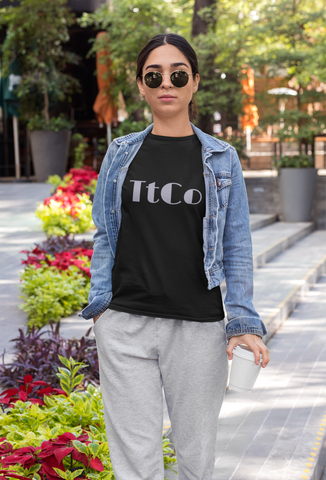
column 226, row 229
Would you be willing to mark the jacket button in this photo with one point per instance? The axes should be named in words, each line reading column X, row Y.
column 114, row 180
column 112, row 211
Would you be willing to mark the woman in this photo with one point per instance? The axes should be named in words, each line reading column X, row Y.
column 172, row 217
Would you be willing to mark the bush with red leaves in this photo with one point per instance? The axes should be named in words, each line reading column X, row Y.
column 50, row 456
column 27, row 391
column 79, row 257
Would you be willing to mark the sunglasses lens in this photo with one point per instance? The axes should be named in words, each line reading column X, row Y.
column 179, row 78
column 153, row 79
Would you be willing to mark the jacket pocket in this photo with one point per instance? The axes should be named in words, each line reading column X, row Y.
column 223, row 184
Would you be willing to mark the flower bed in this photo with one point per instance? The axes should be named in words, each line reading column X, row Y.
column 60, row 434
column 69, row 209
column 55, row 281
column 37, row 355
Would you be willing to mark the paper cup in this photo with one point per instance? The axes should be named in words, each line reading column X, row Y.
column 244, row 370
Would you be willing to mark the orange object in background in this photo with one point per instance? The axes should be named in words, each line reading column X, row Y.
column 250, row 111
column 105, row 109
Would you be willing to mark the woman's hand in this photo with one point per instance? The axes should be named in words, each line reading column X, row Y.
column 96, row 318
column 254, row 342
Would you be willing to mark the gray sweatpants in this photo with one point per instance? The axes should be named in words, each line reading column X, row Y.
column 139, row 354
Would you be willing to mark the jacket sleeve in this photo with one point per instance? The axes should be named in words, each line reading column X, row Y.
column 237, row 260
column 100, row 294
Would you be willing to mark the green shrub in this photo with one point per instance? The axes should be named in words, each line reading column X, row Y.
column 55, row 181
column 295, row 161
column 60, row 217
column 51, row 295
column 56, row 124
column 79, row 150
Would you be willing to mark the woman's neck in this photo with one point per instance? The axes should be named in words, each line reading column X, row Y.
column 172, row 127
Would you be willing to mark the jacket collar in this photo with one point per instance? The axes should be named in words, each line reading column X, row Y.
column 209, row 143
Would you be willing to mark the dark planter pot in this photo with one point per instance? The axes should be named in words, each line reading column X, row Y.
column 297, row 193
column 50, row 153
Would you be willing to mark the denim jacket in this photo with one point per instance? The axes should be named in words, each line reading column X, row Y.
column 226, row 228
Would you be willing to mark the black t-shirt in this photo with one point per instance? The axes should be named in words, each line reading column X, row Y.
column 159, row 269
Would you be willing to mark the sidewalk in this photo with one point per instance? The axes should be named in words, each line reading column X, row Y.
column 272, row 432
column 19, row 229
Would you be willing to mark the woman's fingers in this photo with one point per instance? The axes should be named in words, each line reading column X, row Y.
column 254, row 342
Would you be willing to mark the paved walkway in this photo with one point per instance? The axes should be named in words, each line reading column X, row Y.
column 271, row 433
column 19, row 229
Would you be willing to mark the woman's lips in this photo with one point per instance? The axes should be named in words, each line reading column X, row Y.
column 166, row 98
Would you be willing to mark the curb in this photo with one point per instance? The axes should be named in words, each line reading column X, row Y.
column 263, row 223
column 318, row 453
column 296, row 296
column 272, row 251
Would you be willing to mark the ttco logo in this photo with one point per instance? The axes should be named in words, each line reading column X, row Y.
column 191, row 196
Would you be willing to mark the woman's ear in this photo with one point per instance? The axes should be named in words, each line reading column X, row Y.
column 141, row 86
column 196, row 83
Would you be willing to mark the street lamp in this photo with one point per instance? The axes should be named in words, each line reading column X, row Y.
column 282, row 91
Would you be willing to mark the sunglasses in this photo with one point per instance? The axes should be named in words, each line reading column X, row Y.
column 179, row 78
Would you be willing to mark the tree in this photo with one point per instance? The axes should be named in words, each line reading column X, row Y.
column 223, row 51
column 37, row 31
column 291, row 44
column 204, row 23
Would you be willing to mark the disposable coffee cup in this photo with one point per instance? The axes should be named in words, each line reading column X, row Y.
column 244, row 370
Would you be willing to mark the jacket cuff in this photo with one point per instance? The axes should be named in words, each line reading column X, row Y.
column 243, row 325
column 97, row 306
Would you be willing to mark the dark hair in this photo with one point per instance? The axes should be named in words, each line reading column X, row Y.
column 181, row 44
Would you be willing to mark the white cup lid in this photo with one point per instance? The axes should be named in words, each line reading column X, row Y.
column 243, row 351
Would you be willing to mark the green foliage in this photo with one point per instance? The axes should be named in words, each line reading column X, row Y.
column 69, row 380
column 51, row 295
column 37, row 31
column 55, row 124
column 69, row 475
column 168, row 455
column 295, row 161
column 58, row 220
column 79, row 150
column 239, row 143
column 222, row 52
column 289, row 41
column 129, row 125
column 79, row 412
column 102, row 145
column 55, row 181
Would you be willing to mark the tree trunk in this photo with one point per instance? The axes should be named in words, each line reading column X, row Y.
column 46, row 107
column 201, row 25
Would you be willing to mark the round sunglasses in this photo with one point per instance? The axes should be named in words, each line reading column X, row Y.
column 179, row 78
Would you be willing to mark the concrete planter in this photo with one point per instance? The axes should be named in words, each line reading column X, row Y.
column 297, row 193
column 50, row 152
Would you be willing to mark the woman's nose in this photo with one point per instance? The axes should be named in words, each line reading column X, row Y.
column 166, row 82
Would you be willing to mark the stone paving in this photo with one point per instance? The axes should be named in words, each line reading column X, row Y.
column 19, row 229
column 271, row 433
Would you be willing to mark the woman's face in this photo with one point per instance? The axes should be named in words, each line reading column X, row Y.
column 168, row 100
